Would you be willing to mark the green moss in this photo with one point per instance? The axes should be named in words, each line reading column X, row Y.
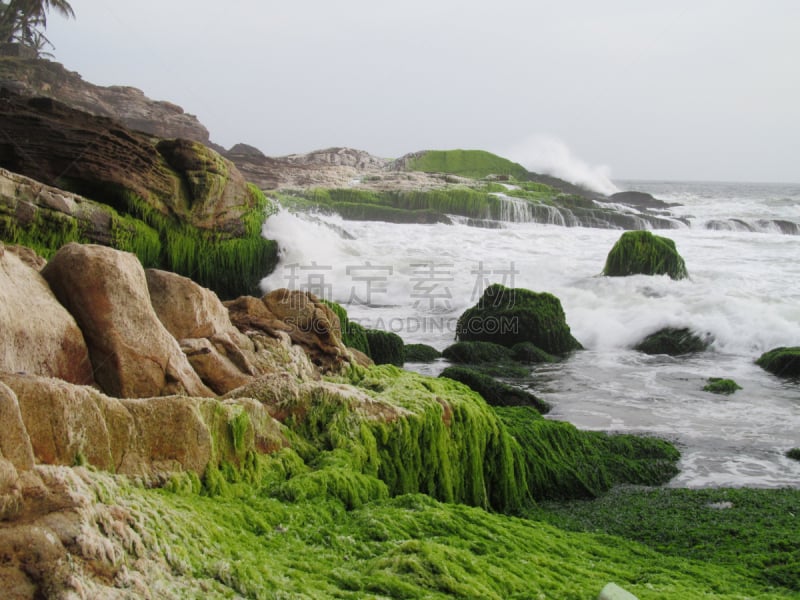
column 385, row 347
column 476, row 353
column 794, row 453
column 530, row 354
column 467, row 163
column 641, row 252
column 258, row 546
column 45, row 233
column 750, row 530
column 672, row 341
column 564, row 462
column 132, row 235
column 509, row 316
column 420, row 353
column 495, row 392
column 353, row 334
column 718, row 385
column 784, row 362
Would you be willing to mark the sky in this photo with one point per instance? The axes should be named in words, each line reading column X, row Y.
column 621, row 89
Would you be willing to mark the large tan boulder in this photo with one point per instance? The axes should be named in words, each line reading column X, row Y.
column 219, row 353
column 133, row 355
column 39, row 336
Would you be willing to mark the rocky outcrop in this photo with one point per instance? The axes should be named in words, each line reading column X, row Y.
column 510, row 316
column 103, row 160
column 673, row 341
column 641, row 252
column 127, row 105
column 133, row 355
column 38, row 335
column 306, row 320
column 783, row 362
column 148, row 438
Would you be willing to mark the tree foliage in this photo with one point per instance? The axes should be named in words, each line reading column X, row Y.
column 24, row 21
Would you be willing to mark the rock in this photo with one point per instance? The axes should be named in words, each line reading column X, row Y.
column 27, row 256
column 641, row 252
column 127, row 105
column 509, row 316
column 718, row 385
column 308, row 321
column 103, row 160
column 420, row 353
column 133, row 355
column 39, row 335
column 385, row 347
column 189, row 310
column 216, row 370
column 783, row 361
column 613, row 592
column 488, row 358
column 640, row 200
column 672, row 341
column 144, row 437
column 495, row 392
column 218, row 352
column 15, row 444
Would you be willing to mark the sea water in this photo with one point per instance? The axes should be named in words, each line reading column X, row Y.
column 743, row 293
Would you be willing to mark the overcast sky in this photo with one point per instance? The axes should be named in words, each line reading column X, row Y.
column 701, row 89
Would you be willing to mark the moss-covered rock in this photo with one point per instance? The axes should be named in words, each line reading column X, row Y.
column 509, row 316
column 385, row 347
column 476, row 353
column 718, row 385
column 420, row 353
column 794, row 453
column 353, row 334
column 641, row 252
column 783, row 361
column 495, row 392
column 672, row 341
column 530, row 354
column 564, row 462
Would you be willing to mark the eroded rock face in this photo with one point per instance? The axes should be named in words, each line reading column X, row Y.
column 39, row 336
column 104, row 161
column 307, row 321
column 133, row 355
column 127, row 105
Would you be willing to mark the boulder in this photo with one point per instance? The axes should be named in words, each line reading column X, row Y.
column 783, row 361
column 641, row 252
column 420, row 353
column 304, row 318
column 509, row 316
column 385, row 347
column 219, row 353
column 132, row 353
column 39, row 335
column 673, row 341
column 495, row 392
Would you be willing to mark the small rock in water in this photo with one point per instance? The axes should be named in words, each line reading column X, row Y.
column 613, row 592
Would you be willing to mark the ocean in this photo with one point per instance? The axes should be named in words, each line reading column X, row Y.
column 742, row 251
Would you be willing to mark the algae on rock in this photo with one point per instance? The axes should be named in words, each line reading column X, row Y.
column 509, row 316
column 641, row 252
